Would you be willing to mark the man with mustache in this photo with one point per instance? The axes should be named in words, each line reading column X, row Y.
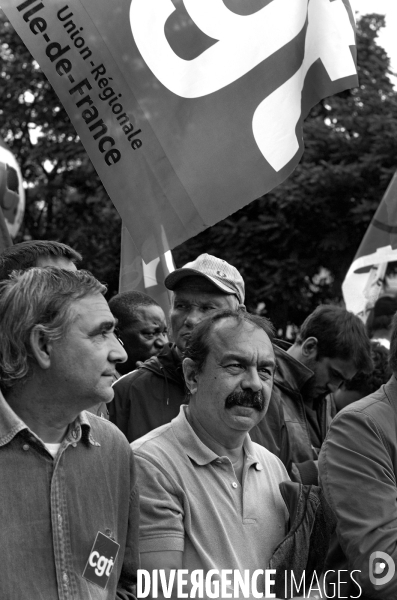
column 152, row 395
column 210, row 497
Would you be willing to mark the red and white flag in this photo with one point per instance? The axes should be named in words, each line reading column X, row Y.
column 367, row 278
column 135, row 274
column 189, row 109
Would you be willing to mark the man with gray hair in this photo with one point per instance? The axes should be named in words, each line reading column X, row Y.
column 68, row 493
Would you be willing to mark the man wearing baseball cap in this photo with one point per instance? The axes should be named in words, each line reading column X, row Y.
column 152, row 395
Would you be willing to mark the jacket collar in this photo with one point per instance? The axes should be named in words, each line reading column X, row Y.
column 290, row 373
column 390, row 389
column 196, row 449
column 11, row 425
column 167, row 364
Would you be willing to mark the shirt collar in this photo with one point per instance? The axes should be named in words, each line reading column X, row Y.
column 11, row 424
column 196, row 449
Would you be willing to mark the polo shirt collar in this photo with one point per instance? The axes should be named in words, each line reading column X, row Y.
column 196, row 449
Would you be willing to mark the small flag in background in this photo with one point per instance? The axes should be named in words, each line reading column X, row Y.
column 12, row 196
column 367, row 277
column 135, row 274
column 189, row 109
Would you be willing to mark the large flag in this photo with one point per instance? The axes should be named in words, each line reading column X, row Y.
column 367, row 278
column 188, row 109
column 12, row 197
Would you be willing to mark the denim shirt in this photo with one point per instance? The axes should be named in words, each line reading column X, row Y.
column 52, row 509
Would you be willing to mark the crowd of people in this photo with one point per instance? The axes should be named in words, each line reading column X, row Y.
column 126, row 445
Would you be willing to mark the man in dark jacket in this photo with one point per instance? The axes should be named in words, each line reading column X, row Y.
column 331, row 347
column 358, row 471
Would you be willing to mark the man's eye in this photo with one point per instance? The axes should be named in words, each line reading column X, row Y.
column 149, row 336
column 264, row 373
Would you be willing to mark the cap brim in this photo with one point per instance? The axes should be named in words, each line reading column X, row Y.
column 176, row 276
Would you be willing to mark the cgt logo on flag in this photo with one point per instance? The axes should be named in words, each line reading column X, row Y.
column 242, row 42
column 381, row 568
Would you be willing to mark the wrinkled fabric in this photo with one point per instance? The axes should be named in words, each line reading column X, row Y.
column 150, row 396
column 52, row 509
column 358, row 473
column 304, row 548
column 290, row 378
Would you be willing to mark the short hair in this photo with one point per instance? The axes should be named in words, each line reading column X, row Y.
column 339, row 334
column 24, row 255
column 125, row 305
column 198, row 346
column 369, row 383
column 36, row 297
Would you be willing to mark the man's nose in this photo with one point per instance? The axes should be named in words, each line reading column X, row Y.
column 194, row 317
column 251, row 380
column 160, row 340
column 333, row 387
column 117, row 352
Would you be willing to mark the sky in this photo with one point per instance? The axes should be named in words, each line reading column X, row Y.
column 387, row 37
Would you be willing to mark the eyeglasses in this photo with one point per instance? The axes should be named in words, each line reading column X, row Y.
column 117, row 335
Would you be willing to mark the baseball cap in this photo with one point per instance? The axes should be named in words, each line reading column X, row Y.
column 224, row 276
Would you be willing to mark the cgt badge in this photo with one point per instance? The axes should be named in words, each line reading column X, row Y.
column 101, row 560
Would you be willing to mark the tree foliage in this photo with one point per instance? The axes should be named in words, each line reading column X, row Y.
column 293, row 246
column 65, row 199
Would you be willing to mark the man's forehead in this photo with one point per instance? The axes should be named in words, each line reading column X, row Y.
column 343, row 366
column 229, row 336
column 200, row 295
column 198, row 285
column 92, row 306
column 150, row 312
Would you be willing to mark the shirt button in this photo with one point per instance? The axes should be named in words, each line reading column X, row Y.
column 25, row 447
column 234, row 484
column 258, row 467
column 65, row 578
column 60, row 519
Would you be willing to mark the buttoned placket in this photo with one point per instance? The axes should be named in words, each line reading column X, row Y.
column 67, row 587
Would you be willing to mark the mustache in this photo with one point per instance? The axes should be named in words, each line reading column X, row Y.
column 246, row 398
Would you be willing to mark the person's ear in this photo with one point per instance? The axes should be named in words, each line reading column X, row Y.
column 190, row 374
column 309, row 348
column 40, row 346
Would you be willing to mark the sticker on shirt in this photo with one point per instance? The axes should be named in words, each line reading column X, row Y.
column 101, row 561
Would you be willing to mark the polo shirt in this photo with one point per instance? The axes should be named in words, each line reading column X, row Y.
column 191, row 500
